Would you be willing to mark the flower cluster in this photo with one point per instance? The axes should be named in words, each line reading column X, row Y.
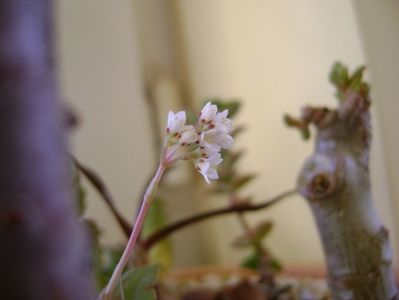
column 204, row 140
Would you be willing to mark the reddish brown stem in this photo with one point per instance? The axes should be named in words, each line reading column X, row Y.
column 244, row 207
column 104, row 192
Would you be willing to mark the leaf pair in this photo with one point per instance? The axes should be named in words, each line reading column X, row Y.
column 345, row 83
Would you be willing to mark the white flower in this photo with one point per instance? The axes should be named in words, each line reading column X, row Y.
column 222, row 122
column 208, row 113
column 176, row 122
column 214, row 140
column 207, row 167
column 188, row 136
column 211, row 134
column 179, row 132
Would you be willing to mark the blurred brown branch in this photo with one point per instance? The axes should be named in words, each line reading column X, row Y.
column 239, row 208
column 104, row 192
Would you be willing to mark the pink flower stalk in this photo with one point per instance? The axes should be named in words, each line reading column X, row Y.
column 200, row 143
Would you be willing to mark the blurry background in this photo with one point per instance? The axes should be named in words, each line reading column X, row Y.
column 274, row 55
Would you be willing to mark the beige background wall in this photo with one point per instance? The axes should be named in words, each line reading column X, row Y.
column 274, row 55
column 101, row 78
column 379, row 30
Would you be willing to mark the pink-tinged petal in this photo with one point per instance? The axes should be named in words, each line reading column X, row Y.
column 189, row 136
column 208, row 152
column 206, row 178
column 176, row 122
column 215, row 159
column 212, row 174
column 181, row 116
column 226, row 141
column 171, row 117
column 206, row 108
column 223, row 114
column 222, row 123
column 208, row 113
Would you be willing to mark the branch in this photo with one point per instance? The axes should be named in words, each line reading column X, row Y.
column 245, row 207
column 102, row 189
column 335, row 180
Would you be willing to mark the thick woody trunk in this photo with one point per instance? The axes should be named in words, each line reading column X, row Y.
column 335, row 180
column 42, row 252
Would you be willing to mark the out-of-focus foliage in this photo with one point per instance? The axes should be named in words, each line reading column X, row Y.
column 79, row 192
column 345, row 83
column 231, row 182
column 161, row 253
column 348, row 86
column 255, row 237
column 254, row 261
column 303, row 127
column 138, row 284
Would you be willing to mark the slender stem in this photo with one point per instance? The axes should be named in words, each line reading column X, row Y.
column 147, row 200
column 169, row 154
column 169, row 229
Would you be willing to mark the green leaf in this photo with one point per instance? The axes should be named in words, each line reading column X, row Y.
column 262, row 230
column 138, row 284
column 356, row 80
column 230, row 158
column 96, row 251
column 255, row 237
column 299, row 124
column 275, row 265
column 358, row 74
column 252, row 261
column 235, row 156
column 93, row 231
column 161, row 253
column 345, row 83
column 107, row 259
column 242, row 180
column 237, row 130
column 79, row 192
column 339, row 76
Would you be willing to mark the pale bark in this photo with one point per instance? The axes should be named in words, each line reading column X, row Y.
column 42, row 252
column 335, row 180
